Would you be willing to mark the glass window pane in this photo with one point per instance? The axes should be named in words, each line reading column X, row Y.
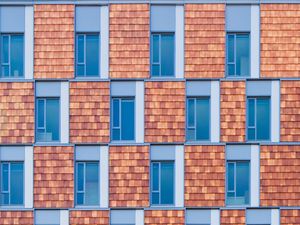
column 230, row 177
column 116, row 134
column 167, row 183
column 202, row 113
column 52, row 119
column 5, row 71
column 263, row 119
column 231, row 69
column 155, row 198
column 155, row 48
column 242, row 54
column 5, row 47
column 4, row 199
column 251, row 112
column 4, row 180
column 116, row 113
column 80, row 176
column 230, row 48
column 251, row 134
column 41, row 113
column 79, row 198
column 191, row 134
column 155, row 70
column 155, row 176
column 242, row 181
column 92, row 55
column 92, row 184
column 80, row 48
column 16, row 183
column 17, row 55
column 80, row 70
column 191, row 112
column 167, row 55
column 127, row 119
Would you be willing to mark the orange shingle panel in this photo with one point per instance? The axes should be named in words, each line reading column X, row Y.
column 233, row 217
column 166, row 217
column 289, row 216
column 88, row 217
column 16, row 217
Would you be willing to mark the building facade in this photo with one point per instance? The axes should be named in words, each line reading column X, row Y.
column 150, row 112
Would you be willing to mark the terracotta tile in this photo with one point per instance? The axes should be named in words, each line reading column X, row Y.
column 167, row 217
column 88, row 217
column 233, row 217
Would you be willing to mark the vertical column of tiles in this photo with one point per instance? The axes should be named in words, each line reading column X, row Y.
column 129, row 176
column 80, row 217
column 289, row 216
column 16, row 113
column 233, row 217
column 89, row 112
column 164, row 111
column 204, row 40
column 279, row 175
column 280, row 49
column 16, row 217
column 129, row 40
column 53, row 177
column 204, row 176
column 167, row 217
column 53, row 41
column 289, row 111
column 233, row 111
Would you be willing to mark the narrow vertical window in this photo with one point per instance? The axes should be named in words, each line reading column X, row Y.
column 162, row 183
column 238, row 54
column 162, row 54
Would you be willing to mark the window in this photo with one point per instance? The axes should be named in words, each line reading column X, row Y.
column 162, row 183
column 238, row 182
column 162, row 54
column 238, row 54
column 198, row 119
column 87, row 183
column 12, row 55
column 12, row 183
column 258, row 119
column 123, row 119
column 47, row 119
column 87, row 55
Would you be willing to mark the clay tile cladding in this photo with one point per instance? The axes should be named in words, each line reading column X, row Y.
column 166, row 217
column 16, row 112
column 129, row 176
column 53, row 177
column 129, row 40
column 280, row 40
column 233, row 111
column 88, row 217
column 16, row 217
column 89, row 112
column 289, row 111
column 289, row 217
column 53, row 41
column 204, row 40
column 204, row 176
column 233, row 217
column 279, row 175
column 164, row 111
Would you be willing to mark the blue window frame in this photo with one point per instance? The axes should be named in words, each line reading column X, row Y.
column 11, row 183
column 238, row 54
column 198, row 119
column 87, row 55
column 258, row 118
column 48, row 120
column 12, row 55
column 238, row 182
column 87, row 183
column 162, row 54
column 123, row 119
column 162, row 182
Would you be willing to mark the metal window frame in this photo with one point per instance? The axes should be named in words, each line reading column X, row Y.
column 195, row 98
column 45, row 115
column 9, row 183
column 235, row 182
column 159, row 52
column 159, row 182
column 85, row 34
column 255, row 117
column 235, row 34
column 121, row 99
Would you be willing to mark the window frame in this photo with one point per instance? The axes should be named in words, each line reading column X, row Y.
column 195, row 98
column 9, row 162
column 228, row 33
column 158, row 33
column 84, row 34
column 45, row 114
column 255, row 118
column 227, row 180
column 2, row 64
column 121, row 99
column 159, row 183
column 84, row 183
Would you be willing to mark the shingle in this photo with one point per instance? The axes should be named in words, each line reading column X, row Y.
column 88, row 217
column 16, row 217
column 233, row 217
column 167, row 217
column 289, row 216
